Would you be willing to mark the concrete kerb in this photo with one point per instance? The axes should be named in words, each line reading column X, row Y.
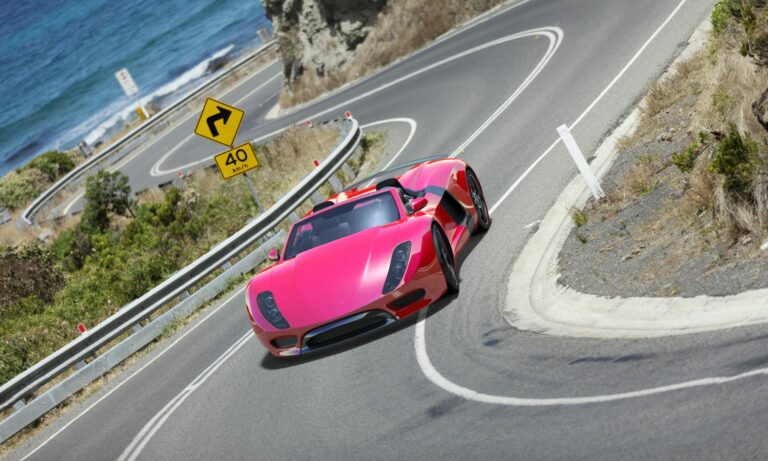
column 535, row 300
column 105, row 362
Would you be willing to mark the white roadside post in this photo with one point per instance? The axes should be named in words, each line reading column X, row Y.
column 581, row 162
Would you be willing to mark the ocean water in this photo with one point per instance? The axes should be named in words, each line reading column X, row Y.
column 58, row 59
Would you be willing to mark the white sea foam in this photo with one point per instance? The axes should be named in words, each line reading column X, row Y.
column 122, row 109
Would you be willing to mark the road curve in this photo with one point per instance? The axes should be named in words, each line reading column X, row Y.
column 213, row 393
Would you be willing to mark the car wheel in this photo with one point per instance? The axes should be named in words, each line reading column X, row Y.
column 478, row 199
column 446, row 259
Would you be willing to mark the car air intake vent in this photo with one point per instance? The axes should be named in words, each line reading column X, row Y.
column 346, row 328
column 407, row 300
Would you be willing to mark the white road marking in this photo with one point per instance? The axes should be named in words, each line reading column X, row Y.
column 591, row 105
column 72, row 203
column 547, row 31
column 156, row 171
column 555, row 36
column 532, row 225
column 412, row 124
column 444, row 383
column 141, row 440
column 150, row 362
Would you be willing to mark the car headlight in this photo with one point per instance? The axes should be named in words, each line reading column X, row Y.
column 268, row 308
column 397, row 266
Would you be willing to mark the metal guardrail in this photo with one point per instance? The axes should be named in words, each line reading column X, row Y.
column 29, row 213
column 14, row 392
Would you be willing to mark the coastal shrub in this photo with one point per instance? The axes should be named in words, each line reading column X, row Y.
column 105, row 193
column 53, row 164
column 735, row 158
column 19, row 187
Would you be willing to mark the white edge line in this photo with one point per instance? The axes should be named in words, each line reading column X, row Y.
column 411, row 123
column 141, row 440
column 150, row 362
column 442, row 382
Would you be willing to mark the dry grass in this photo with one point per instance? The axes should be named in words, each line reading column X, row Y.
column 641, row 179
column 403, row 27
column 712, row 90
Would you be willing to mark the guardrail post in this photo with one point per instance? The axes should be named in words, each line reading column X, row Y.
column 335, row 184
column 316, row 198
column 348, row 171
column 19, row 404
column 226, row 265
column 293, row 217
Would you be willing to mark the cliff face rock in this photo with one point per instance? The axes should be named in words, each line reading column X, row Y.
column 319, row 35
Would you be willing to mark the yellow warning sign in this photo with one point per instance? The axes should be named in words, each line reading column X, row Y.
column 236, row 161
column 219, row 122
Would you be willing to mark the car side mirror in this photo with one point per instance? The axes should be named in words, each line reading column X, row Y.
column 273, row 255
column 419, row 203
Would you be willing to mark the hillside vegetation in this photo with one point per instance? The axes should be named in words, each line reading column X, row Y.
column 20, row 186
column 122, row 247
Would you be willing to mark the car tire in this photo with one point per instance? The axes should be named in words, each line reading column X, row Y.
column 446, row 259
column 478, row 200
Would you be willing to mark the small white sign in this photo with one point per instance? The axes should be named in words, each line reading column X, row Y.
column 126, row 82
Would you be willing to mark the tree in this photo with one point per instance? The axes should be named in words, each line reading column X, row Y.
column 105, row 193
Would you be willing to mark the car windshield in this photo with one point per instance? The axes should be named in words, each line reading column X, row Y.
column 341, row 221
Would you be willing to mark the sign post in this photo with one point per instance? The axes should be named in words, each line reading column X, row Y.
column 239, row 161
column 130, row 88
column 253, row 192
column 219, row 122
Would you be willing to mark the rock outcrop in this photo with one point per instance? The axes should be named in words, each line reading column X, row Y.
column 760, row 109
column 319, row 35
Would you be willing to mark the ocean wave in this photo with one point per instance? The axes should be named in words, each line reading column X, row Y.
column 109, row 118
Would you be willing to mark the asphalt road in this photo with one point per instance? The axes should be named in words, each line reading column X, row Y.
column 213, row 393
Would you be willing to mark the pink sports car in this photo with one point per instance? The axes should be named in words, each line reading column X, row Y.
column 367, row 257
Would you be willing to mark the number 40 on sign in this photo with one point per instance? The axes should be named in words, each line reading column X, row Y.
column 236, row 161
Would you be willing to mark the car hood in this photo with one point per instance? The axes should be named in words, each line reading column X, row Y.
column 332, row 280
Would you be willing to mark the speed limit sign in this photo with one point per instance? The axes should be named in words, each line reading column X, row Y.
column 236, row 161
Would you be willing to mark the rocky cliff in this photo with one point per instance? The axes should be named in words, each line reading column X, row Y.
column 319, row 35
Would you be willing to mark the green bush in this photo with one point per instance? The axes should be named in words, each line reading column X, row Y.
column 105, row 193
column 720, row 17
column 735, row 158
column 53, row 163
column 684, row 161
column 19, row 187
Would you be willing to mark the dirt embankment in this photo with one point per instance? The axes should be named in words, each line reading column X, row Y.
column 687, row 206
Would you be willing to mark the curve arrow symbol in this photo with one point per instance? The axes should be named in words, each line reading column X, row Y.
column 223, row 115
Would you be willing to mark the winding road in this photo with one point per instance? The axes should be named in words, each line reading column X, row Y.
column 456, row 381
